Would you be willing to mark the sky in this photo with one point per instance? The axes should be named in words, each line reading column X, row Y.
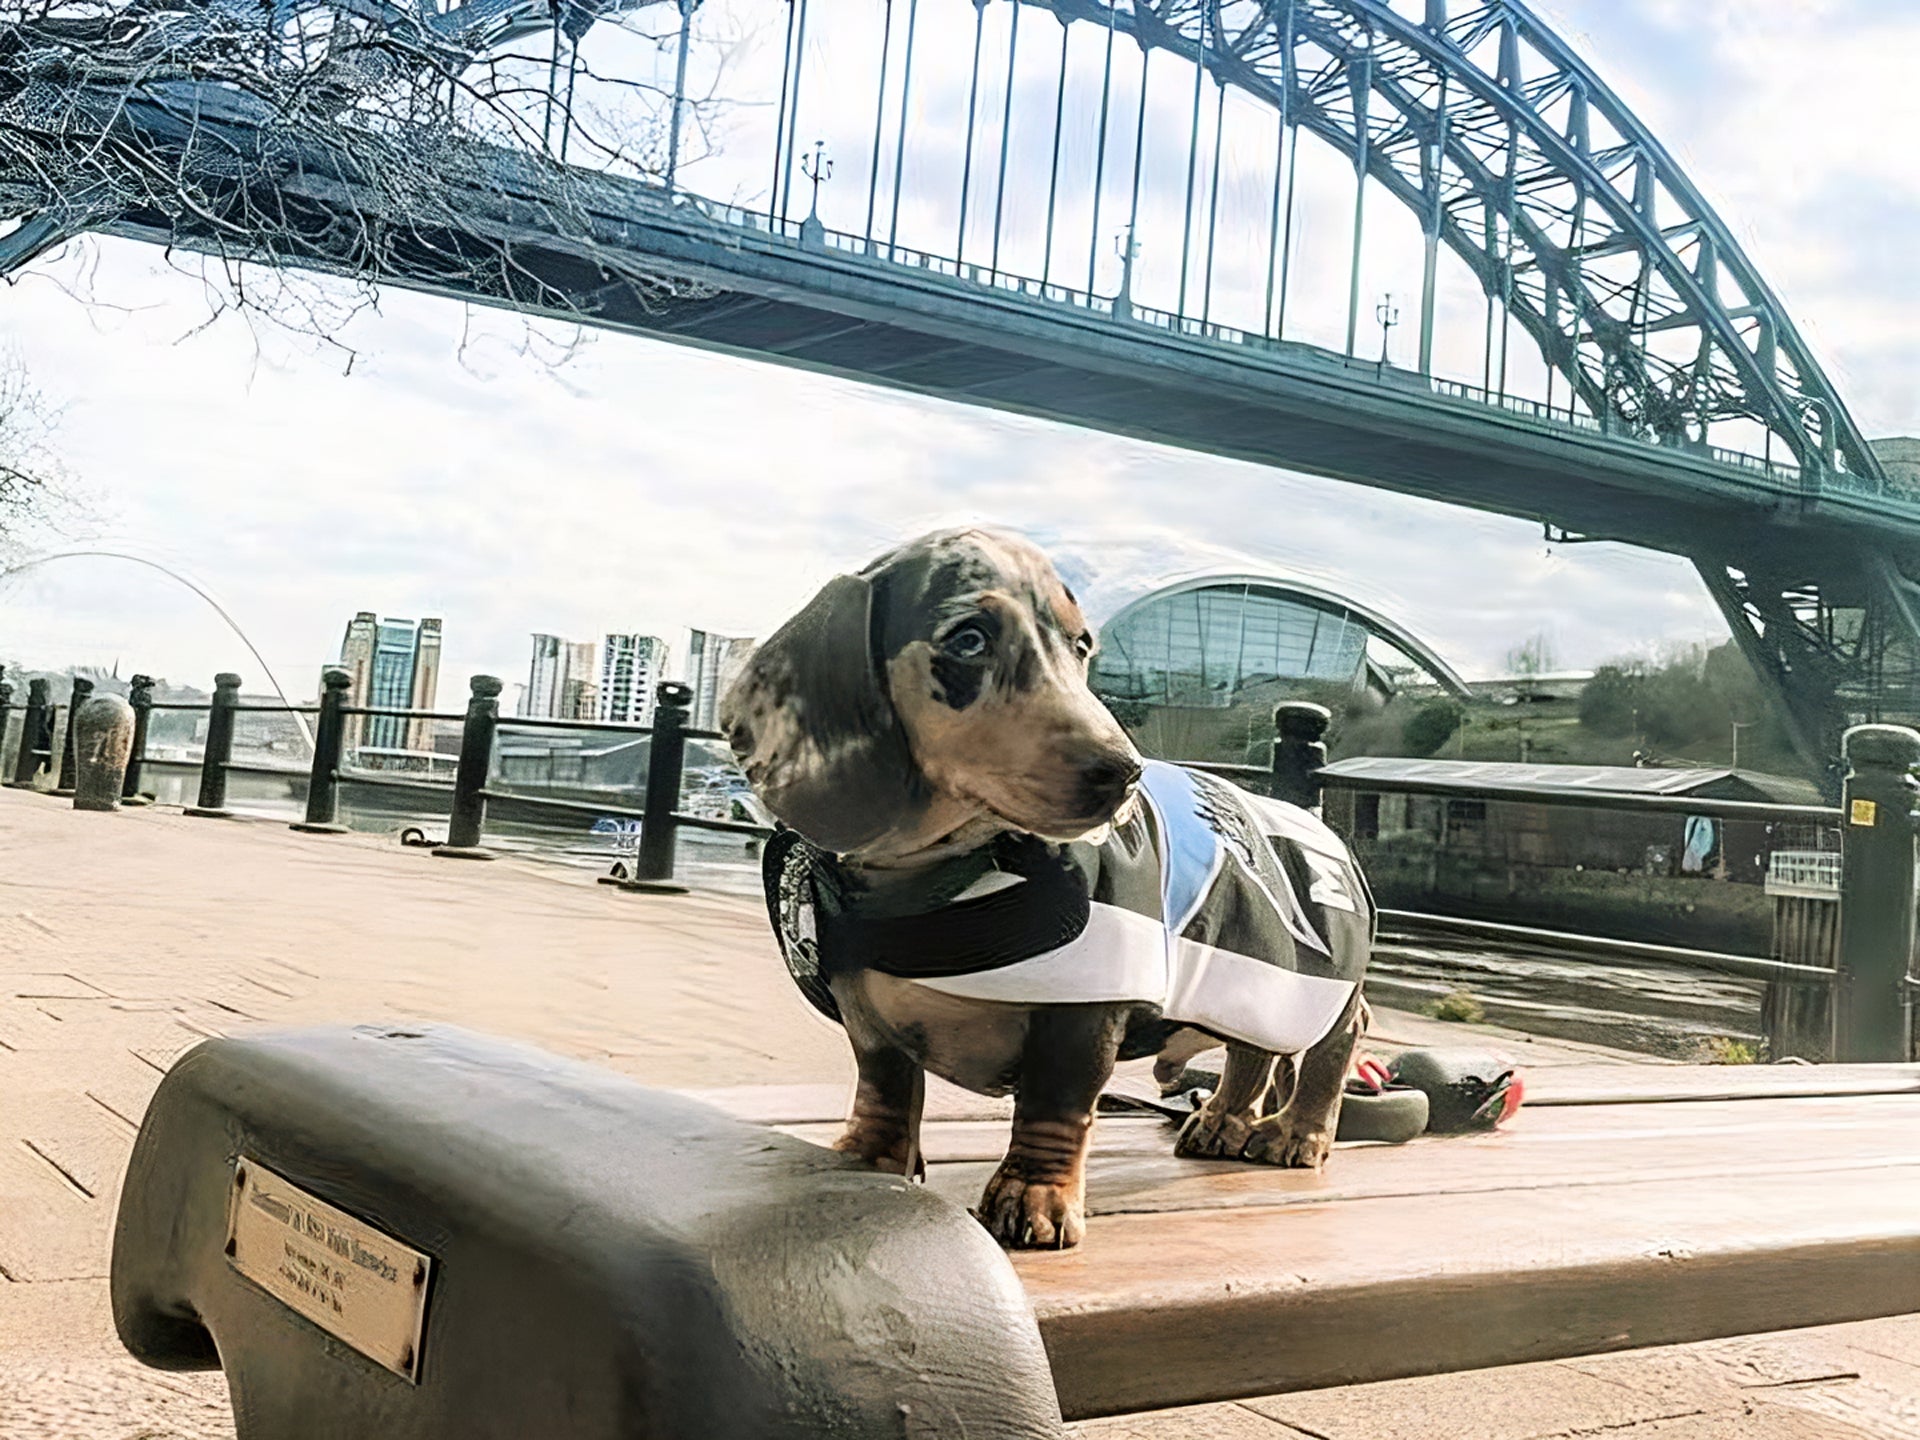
column 443, row 461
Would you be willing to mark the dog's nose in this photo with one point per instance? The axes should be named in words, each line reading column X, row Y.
column 1107, row 781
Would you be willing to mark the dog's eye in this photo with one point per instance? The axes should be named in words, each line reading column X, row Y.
column 969, row 642
column 1083, row 647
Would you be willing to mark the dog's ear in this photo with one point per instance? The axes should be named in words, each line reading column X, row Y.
column 811, row 723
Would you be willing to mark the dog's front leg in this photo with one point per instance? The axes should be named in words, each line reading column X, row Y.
column 883, row 1128
column 1037, row 1198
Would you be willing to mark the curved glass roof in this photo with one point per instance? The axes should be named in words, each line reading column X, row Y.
column 1201, row 642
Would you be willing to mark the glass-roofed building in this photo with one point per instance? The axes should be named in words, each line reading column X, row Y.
column 1237, row 644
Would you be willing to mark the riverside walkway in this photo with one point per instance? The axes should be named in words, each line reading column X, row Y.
column 125, row 938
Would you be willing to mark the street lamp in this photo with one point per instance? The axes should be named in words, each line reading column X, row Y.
column 820, row 169
column 1388, row 314
column 1128, row 249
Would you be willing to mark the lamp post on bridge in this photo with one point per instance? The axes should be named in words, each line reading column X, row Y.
column 1128, row 249
column 1388, row 314
column 812, row 232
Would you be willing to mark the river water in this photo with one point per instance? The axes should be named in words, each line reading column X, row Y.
column 704, row 858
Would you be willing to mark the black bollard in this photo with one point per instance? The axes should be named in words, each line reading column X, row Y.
column 140, row 696
column 36, row 731
column 468, row 818
column 6, row 710
column 666, row 760
column 82, row 692
column 1876, row 895
column 1299, row 751
column 329, row 738
column 213, row 763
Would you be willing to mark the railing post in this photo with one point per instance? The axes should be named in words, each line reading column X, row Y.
column 666, row 760
column 1876, row 894
column 34, row 736
column 468, row 818
column 1299, row 751
column 329, row 738
column 140, row 696
column 213, row 763
column 6, row 711
column 82, row 692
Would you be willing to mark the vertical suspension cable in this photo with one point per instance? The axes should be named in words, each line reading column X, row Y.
column 679, row 93
column 566, row 115
column 1139, row 156
column 1193, row 161
column 1006, row 133
column 1576, row 294
column 1506, row 259
column 1486, row 359
column 793, row 122
column 1430, row 260
column 1288, row 77
column 900, row 141
column 1100, row 156
column 1053, row 170
column 780, row 124
column 1362, row 159
column 553, row 85
column 879, row 121
column 1213, row 202
column 973, row 101
column 1273, row 221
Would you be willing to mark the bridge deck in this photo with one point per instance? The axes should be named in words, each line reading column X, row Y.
column 1614, row 1214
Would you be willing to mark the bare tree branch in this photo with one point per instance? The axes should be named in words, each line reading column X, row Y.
column 371, row 140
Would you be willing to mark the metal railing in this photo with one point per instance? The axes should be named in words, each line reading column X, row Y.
column 1873, row 877
column 660, row 813
column 1816, row 871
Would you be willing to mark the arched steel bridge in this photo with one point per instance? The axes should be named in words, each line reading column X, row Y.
column 1660, row 395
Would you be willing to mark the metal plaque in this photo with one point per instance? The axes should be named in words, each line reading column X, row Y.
column 1865, row 812
column 351, row 1280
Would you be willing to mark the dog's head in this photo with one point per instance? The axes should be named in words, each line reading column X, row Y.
column 945, row 683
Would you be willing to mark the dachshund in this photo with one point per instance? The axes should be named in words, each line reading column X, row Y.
column 978, row 875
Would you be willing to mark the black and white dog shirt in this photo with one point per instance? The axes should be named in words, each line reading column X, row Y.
column 1238, row 915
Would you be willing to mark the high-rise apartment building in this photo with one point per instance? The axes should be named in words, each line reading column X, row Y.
column 712, row 662
column 580, row 695
column 630, row 667
column 546, row 678
column 395, row 664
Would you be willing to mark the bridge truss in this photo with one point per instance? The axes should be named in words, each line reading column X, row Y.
column 441, row 146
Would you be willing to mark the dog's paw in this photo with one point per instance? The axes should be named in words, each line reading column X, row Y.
column 1029, row 1215
column 883, row 1150
column 1279, row 1141
column 1212, row 1133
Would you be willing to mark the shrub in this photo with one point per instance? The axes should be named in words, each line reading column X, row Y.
column 1458, row 1006
column 1431, row 726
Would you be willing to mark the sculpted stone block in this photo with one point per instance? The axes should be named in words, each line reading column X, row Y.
column 102, row 741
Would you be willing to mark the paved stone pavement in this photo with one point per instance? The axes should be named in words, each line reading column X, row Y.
column 126, row 938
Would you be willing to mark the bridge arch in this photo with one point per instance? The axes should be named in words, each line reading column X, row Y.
column 1508, row 148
